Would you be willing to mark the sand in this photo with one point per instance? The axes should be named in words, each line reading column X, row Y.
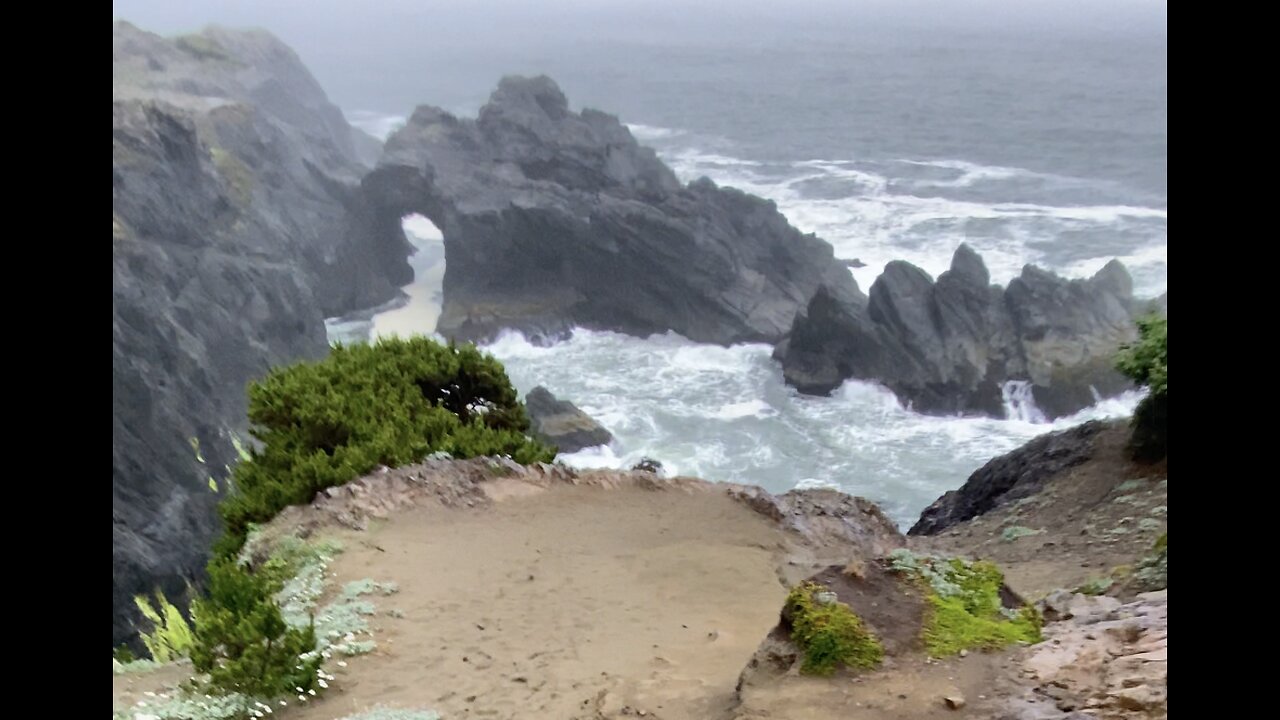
column 563, row 604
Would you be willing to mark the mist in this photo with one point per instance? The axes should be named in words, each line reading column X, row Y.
column 388, row 56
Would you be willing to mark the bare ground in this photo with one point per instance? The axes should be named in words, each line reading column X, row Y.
column 616, row 596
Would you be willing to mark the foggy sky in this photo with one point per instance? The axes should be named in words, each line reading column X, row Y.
column 408, row 46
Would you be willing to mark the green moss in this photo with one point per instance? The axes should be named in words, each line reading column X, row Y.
column 829, row 634
column 170, row 637
column 964, row 611
column 952, row 627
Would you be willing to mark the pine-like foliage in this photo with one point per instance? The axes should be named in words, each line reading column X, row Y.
column 322, row 424
column 1146, row 362
column 242, row 641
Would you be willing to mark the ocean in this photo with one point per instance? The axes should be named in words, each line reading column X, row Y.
column 1032, row 145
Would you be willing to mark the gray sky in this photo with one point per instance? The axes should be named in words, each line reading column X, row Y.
column 408, row 48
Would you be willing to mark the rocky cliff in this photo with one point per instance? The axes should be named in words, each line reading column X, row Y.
column 951, row 345
column 236, row 211
column 553, row 218
column 1010, row 477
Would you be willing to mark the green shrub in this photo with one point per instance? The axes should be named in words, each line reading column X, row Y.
column 829, row 634
column 170, row 636
column 242, row 641
column 123, row 654
column 324, row 423
column 1146, row 362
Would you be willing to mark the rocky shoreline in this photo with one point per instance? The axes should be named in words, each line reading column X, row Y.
column 246, row 209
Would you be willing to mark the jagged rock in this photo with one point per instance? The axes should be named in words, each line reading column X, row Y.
column 561, row 423
column 1012, row 476
column 1104, row 656
column 553, row 218
column 234, row 191
column 949, row 346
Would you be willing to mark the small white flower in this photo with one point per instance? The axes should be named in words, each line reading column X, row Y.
column 303, row 698
column 342, row 663
column 312, row 693
column 323, row 684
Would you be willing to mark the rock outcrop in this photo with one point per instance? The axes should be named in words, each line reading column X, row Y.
column 1102, row 659
column 561, row 423
column 235, row 210
column 952, row 345
column 1015, row 475
column 553, row 218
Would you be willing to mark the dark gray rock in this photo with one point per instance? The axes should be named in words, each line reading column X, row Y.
column 649, row 465
column 1012, row 476
column 235, row 209
column 554, row 219
column 560, row 423
column 950, row 346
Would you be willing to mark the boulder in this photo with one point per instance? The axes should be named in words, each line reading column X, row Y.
column 560, row 423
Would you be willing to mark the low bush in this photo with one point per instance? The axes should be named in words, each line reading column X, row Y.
column 324, row 423
column 1146, row 362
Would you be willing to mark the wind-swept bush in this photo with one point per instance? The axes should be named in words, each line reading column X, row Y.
column 1146, row 362
column 324, row 423
column 242, row 641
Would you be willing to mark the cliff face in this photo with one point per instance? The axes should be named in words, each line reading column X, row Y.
column 235, row 199
column 553, row 219
column 949, row 346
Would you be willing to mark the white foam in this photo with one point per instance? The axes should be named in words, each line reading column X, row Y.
column 725, row 414
column 968, row 174
column 652, row 132
column 378, row 125
column 746, row 408
column 601, row 456
column 875, row 223
column 1020, row 403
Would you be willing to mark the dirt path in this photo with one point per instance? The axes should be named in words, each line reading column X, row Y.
column 563, row 604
